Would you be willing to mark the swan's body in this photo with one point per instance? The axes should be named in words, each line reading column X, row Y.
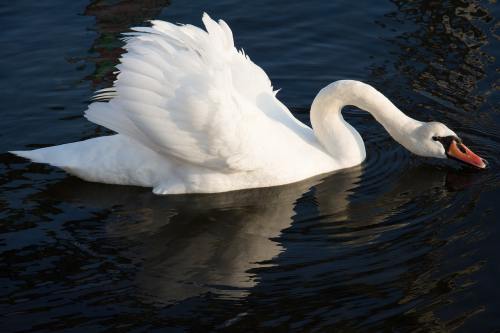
column 194, row 115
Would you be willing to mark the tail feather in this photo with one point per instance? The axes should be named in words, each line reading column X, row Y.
column 37, row 155
column 68, row 156
column 113, row 159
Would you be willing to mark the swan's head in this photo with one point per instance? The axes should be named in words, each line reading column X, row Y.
column 434, row 139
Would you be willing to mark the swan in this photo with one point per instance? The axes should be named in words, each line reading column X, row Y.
column 192, row 114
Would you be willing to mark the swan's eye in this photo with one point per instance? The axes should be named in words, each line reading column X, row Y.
column 435, row 138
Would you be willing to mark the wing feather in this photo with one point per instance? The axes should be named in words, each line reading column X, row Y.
column 187, row 93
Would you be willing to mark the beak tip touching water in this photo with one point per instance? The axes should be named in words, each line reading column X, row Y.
column 485, row 163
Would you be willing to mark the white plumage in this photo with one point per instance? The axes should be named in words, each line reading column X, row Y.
column 194, row 114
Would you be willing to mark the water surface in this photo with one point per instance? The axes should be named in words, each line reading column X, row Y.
column 400, row 243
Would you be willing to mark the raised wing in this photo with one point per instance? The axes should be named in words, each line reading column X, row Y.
column 187, row 94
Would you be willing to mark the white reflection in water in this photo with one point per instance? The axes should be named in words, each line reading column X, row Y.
column 211, row 242
column 188, row 245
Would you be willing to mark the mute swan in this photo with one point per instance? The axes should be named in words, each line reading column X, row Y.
column 195, row 115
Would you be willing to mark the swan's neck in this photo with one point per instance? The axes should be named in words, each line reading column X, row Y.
column 340, row 139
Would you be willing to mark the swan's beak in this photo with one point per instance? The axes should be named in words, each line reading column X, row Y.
column 459, row 151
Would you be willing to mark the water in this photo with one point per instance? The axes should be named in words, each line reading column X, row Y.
column 400, row 243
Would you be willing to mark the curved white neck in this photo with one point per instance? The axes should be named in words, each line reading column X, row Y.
column 340, row 139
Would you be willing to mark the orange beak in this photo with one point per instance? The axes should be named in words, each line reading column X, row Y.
column 460, row 152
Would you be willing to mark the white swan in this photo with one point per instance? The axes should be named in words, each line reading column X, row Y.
column 195, row 115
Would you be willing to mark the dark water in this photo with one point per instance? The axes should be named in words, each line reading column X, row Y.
column 400, row 243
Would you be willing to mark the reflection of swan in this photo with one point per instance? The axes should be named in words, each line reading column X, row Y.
column 195, row 115
column 186, row 246
column 193, row 255
column 190, row 245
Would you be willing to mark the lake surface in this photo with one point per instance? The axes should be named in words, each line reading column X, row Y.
column 400, row 243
